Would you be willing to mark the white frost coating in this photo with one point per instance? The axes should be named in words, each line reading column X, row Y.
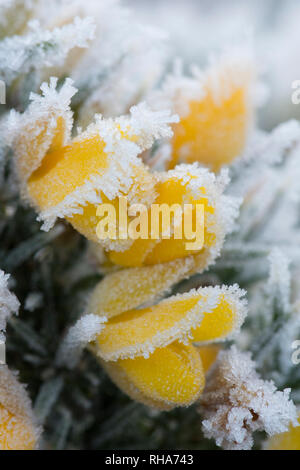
column 137, row 287
column 209, row 297
column 270, row 148
column 9, row 303
column 33, row 301
column 236, row 402
column 83, row 332
column 19, row 11
column 39, row 47
column 279, row 282
column 232, row 69
column 142, row 125
column 31, row 133
column 132, row 59
column 177, row 91
column 221, row 221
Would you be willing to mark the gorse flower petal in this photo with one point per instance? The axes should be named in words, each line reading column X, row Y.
column 18, row 430
column 215, row 123
column 187, row 184
column 171, row 376
column 194, row 315
column 131, row 288
column 149, row 351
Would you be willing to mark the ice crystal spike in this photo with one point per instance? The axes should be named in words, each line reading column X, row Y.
column 237, row 402
column 215, row 122
column 18, row 430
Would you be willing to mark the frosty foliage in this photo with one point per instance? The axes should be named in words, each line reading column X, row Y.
column 37, row 48
column 118, row 63
column 83, row 332
column 9, row 303
column 236, row 402
column 279, row 283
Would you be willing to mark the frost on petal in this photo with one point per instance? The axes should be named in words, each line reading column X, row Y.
column 46, row 125
column 226, row 319
column 39, row 47
column 83, row 332
column 215, row 126
column 236, row 402
column 186, row 184
column 101, row 163
column 139, row 332
column 18, row 430
column 9, row 303
column 132, row 288
column 172, row 376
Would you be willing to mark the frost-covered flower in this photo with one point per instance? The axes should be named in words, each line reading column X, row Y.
column 18, row 429
column 237, row 402
column 147, row 346
column 64, row 177
column 216, row 107
column 186, row 184
column 69, row 178
column 157, row 351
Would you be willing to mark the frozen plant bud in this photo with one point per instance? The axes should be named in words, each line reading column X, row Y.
column 216, row 109
column 150, row 352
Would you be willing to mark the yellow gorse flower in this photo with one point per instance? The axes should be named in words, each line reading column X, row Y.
column 68, row 178
column 156, row 353
column 216, row 110
column 187, row 184
column 17, row 427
